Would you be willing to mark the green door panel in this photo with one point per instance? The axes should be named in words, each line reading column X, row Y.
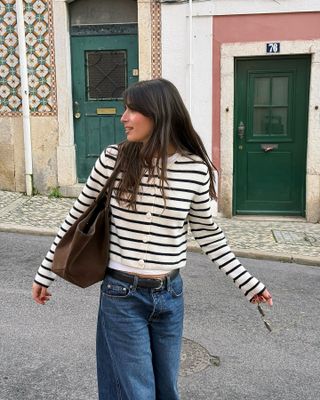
column 271, row 110
column 102, row 68
column 262, row 185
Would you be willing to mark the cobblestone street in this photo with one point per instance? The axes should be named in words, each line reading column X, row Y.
column 299, row 241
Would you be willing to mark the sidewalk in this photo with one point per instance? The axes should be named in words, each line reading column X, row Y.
column 289, row 240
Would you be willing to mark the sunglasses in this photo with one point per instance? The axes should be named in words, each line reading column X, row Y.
column 266, row 323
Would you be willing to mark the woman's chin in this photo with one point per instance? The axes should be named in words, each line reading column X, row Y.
column 132, row 139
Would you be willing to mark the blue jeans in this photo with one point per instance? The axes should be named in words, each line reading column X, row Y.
column 139, row 335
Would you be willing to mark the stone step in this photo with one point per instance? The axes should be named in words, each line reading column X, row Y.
column 71, row 191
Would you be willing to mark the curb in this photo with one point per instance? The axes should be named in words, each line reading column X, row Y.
column 192, row 246
column 282, row 257
column 263, row 255
column 30, row 230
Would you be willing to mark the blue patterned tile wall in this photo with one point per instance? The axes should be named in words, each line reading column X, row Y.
column 40, row 58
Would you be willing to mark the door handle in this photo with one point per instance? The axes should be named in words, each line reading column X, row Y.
column 269, row 147
column 241, row 129
column 76, row 110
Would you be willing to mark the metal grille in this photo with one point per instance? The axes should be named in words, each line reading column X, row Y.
column 296, row 238
column 106, row 74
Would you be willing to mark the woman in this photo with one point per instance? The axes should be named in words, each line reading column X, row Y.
column 166, row 182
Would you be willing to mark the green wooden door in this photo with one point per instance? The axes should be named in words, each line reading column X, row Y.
column 102, row 68
column 271, row 114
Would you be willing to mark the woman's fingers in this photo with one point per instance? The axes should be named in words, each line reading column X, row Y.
column 45, row 295
column 40, row 294
column 264, row 297
column 267, row 297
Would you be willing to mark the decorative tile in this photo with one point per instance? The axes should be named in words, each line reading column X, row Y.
column 156, row 61
column 9, row 57
column 4, row 71
column 40, row 58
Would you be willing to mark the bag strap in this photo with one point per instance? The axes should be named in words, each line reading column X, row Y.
column 108, row 186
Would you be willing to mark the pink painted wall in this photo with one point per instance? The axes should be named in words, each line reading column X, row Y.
column 252, row 28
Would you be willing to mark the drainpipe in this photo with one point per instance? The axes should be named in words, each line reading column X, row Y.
column 25, row 97
column 190, row 56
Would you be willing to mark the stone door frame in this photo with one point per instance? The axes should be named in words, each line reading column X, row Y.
column 148, row 13
column 229, row 52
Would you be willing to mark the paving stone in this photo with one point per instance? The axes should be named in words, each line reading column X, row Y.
column 39, row 211
column 257, row 235
column 7, row 198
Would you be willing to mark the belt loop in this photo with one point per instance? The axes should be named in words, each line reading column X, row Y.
column 135, row 282
column 168, row 283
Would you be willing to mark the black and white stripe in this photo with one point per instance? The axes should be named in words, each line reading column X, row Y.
column 154, row 236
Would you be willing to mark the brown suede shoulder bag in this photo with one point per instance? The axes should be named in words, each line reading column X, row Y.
column 82, row 255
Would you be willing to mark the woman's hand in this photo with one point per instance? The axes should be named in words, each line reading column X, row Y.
column 40, row 293
column 264, row 297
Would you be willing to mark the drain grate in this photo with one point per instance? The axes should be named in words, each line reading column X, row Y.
column 195, row 358
column 292, row 237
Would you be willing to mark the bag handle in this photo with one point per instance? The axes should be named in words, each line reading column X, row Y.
column 103, row 201
column 108, row 186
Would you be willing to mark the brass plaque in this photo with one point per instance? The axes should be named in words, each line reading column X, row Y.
column 106, row 111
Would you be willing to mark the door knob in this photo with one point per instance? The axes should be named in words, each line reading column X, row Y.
column 76, row 110
column 241, row 129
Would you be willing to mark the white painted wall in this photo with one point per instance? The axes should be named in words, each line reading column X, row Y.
column 175, row 64
column 175, row 45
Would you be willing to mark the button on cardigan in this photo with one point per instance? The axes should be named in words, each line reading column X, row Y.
column 154, row 236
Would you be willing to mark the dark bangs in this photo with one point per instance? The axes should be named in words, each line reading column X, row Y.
column 134, row 98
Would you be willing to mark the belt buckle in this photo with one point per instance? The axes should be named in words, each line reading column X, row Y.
column 160, row 285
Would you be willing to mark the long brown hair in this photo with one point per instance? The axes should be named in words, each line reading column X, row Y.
column 159, row 100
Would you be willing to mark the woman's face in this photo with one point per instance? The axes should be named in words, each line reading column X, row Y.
column 137, row 126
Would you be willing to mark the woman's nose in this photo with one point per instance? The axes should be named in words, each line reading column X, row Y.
column 124, row 117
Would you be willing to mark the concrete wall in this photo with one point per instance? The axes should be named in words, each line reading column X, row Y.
column 44, row 136
column 11, row 154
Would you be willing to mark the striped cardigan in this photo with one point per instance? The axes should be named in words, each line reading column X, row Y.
column 153, row 238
